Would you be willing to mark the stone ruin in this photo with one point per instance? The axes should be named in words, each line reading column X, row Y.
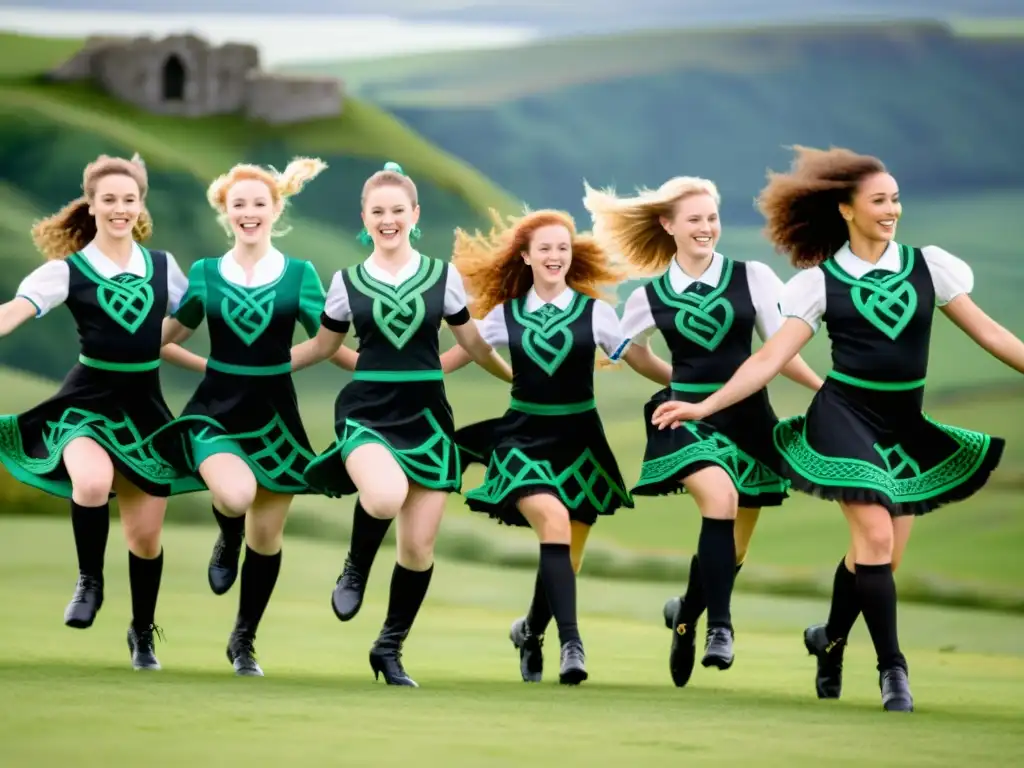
column 183, row 75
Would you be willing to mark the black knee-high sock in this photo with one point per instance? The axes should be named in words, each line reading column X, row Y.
column 845, row 606
column 91, row 526
column 539, row 615
column 144, row 577
column 716, row 550
column 233, row 528
column 408, row 590
column 694, row 603
column 876, row 590
column 560, row 587
column 368, row 534
column 259, row 576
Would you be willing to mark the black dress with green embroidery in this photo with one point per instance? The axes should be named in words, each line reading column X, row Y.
column 112, row 395
column 551, row 439
column 396, row 397
column 865, row 438
column 709, row 332
column 246, row 403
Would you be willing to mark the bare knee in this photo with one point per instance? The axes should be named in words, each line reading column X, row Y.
column 91, row 472
column 231, row 483
column 234, row 499
column 874, row 543
column 382, row 485
column 142, row 522
column 548, row 517
column 264, row 526
column 92, row 490
column 384, row 503
column 715, row 494
column 416, row 552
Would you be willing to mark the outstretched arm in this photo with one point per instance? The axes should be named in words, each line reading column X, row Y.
column 799, row 371
column 181, row 357
column 15, row 312
column 766, row 292
column 986, row 332
column 754, row 374
column 454, row 359
column 174, row 332
column 468, row 337
column 641, row 358
column 345, row 358
column 312, row 351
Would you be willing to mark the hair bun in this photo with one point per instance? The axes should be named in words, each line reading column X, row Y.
column 395, row 167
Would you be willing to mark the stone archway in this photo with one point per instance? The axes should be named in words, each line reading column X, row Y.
column 174, row 79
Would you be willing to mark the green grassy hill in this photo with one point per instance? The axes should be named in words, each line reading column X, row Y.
column 48, row 132
column 941, row 104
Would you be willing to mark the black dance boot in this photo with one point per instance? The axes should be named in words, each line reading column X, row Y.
column 141, row 645
column 895, row 687
column 408, row 589
column 683, row 652
column 530, row 647
column 368, row 534
column 828, row 681
column 85, row 603
column 241, row 651
column 386, row 656
column 718, row 648
column 347, row 598
column 223, row 569
column 573, row 670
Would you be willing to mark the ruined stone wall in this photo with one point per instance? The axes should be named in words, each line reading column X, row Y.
column 277, row 100
column 182, row 75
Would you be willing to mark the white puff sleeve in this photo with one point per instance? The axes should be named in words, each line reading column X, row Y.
column 804, row 297
column 951, row 276
column 46, row 286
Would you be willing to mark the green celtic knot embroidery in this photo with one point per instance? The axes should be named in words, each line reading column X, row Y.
column 547, row 339
column 126, row 298
column 885, row 299
column 703, row 319
column 898, row 462
column 398, row 311
column 247, row 312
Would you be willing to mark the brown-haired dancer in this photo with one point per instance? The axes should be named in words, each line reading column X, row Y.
column 95, row 437
column 864, row 442
column 537, row 285
column 395, row 430
column 707, row 307
column 246, row 439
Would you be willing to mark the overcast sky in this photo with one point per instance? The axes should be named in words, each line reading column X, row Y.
column 304, row 30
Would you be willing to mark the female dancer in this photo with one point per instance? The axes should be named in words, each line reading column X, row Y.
column 707, row 307
column 246, row 438
column 394, row 425
column 94, row 438
column 549, row 466
column 864, row 441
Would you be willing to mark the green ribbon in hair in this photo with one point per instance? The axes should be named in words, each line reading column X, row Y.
column 414, row 234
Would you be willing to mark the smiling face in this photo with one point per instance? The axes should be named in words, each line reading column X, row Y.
column 116, row 205
column 550, row 255
column 695, row 226
column 875, row 208
column 251, row 211
column 389, row 216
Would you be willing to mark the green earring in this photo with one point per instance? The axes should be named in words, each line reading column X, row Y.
column 364, row 237
column 414, row 233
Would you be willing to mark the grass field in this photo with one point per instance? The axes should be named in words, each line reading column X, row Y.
column 71, row 696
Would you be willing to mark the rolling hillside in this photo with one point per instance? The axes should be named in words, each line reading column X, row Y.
column 49, row 131
column 941, row 103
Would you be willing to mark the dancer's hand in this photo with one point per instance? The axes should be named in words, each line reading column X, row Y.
column 673, row 413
